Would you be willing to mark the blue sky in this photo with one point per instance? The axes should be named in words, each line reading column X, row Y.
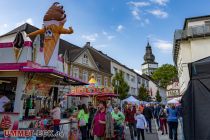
column 119, row 28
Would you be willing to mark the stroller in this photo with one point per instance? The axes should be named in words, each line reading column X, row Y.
column 119, row 132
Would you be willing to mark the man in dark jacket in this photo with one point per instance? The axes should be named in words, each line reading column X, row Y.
column 130, row 120
column 156, row 115
column 148, row 115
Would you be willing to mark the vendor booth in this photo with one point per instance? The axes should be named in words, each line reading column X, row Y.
column 31, row 72
column 93, row 92
column 196, row 101
column 131, row 100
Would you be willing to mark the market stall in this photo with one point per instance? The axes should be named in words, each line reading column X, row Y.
column 32, row 72
column 92, row 92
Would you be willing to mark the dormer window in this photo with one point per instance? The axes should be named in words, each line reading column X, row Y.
column 85, row 59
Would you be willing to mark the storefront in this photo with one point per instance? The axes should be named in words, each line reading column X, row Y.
column 32, row 71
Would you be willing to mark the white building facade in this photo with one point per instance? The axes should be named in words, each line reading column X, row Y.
column 192, row 43
column 173, row 91
column 130, row 76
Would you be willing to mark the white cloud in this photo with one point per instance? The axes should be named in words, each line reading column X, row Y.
column 104, row 33
column 5, row 25
column 138, row 71
column 138, row 4
column 163, row 45
column 119, row 28
column 160, row 2
column 136, row 14
column 91, row 37
column 3, row 28
column 29, row 20
column 135, row 6
column 159, row 13
column 110, row 37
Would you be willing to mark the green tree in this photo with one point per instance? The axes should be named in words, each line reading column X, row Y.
column 143, row 94
column 120, row 85
column 165, row 74
column 158, row 97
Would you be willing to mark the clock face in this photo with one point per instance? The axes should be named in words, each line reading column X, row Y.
column 153, row 65
column 146, row 66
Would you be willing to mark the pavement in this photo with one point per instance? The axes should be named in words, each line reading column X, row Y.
column 148, row 136
column 166, row 137
column 155, row 135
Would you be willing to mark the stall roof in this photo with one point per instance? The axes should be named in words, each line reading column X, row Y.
column 32, row 67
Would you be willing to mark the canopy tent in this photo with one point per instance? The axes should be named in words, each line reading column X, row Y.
column 196, row 101
column 144, row 102
column 132, row 100
column 173, row 101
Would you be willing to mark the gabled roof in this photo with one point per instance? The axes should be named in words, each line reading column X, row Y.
column 24, row 27
column 112, row 59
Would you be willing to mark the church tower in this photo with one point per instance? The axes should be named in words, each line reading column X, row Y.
column 149, row 65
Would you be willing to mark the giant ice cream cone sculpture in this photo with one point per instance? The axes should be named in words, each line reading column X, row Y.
column 54, row 20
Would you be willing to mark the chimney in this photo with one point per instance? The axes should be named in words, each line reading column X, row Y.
column 87, row 44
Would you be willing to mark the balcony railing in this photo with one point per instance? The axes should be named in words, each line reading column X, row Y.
column 192, row 32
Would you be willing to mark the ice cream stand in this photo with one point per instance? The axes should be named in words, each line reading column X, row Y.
column 31, row 70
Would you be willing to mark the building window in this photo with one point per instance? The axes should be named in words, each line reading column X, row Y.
column 106, row 82
column 127, row 77
column 85, row 76
column 139, row 80
column 115, row 70
column 76, row 72
column 132, row 79
column 99, row 81
column 85, row 59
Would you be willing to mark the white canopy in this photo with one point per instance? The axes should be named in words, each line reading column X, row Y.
column 132, row 100
column 173, row 101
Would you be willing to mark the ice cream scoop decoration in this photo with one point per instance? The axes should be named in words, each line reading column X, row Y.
column 54, row 21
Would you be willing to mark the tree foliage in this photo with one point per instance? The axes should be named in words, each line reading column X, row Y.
column 122, row 88
column 158, row 97
column 165, row 74
column 143, row 94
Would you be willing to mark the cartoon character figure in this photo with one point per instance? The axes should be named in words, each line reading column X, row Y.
column 54, row 21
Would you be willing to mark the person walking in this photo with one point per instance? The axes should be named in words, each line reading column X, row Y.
column 141, row 124
column 156, row 115
column 56, row 115
column 130, row 120
column 163, row 120
column 109, row 122
column 148, row 115
column 172, row 122
column 83, row 117
column 99, row 122
column 119, row 119
column 141, row 108
column 92, row 112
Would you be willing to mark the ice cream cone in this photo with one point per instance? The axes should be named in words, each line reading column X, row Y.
column 17, row 53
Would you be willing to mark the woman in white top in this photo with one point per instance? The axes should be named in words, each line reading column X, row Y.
column 141, row 124
column 56, row 115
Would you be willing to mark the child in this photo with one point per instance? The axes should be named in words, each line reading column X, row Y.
column 141, row 124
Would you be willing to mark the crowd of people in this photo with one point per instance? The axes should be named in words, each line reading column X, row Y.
column 107, row 122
